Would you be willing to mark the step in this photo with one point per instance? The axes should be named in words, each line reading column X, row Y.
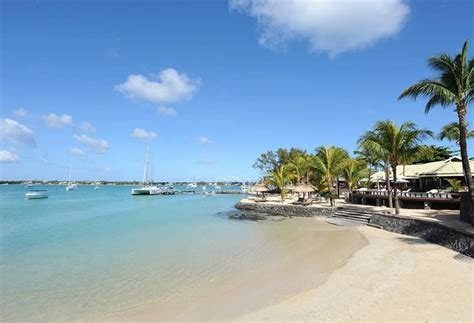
column 353, row 213
column 352, row 220
column 362, row 216
column 355, row 218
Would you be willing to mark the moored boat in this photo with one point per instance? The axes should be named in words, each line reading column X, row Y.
column 36, row 194
column 148, row 188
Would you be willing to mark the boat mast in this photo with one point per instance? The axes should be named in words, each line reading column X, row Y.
column 145, row 171
column 70, row 171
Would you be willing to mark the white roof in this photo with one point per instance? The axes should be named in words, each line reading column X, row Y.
column 451, row 167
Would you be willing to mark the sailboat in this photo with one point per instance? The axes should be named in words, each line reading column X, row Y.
column 71, row 186
column 148, row 188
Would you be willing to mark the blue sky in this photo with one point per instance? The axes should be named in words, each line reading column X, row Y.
column 209, row 85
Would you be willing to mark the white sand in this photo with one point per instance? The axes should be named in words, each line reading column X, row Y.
column 393, row 278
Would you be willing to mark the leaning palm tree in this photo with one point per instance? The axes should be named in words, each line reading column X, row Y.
column 398, row 145
column 353, row 170
column 454, row 85
column 280, row 177
column 328, row 163
column 451, row 132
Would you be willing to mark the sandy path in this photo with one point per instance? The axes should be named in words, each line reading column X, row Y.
column 393, row 278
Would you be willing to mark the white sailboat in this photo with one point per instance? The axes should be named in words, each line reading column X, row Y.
column 71, row 186
column 148, row 188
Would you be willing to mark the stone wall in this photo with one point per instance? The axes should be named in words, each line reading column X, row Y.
column 284, row 209
column 458, row 240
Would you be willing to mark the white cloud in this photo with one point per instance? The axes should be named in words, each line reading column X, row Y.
column 98, row 145
column 328, row 26
column 20, row 112
column 87, row 127
column 7, row 157
column 55, row 121
column 14, row 132
column 168, row 86
column 144, row 135
column 204, row 141
column 76, row 152
column 167, row 112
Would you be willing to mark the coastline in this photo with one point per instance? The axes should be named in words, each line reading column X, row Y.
column 310, row 250
column 393, row 278
column 389, row 277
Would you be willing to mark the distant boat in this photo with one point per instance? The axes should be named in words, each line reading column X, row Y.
column 36, row 194
column 71, row 186
column 148, row 188
column 193, row 185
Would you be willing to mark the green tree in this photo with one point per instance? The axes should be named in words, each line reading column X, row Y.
column 353, row 170
column 328, row 163
column 438, row 153
column 301, row 167
column 371, row 158
column 451, row 132
column 279, row 178
column 454, row 85
column 397, row 146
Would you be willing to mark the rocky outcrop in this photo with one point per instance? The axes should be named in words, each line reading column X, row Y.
column 456, row 239
column 284, row 209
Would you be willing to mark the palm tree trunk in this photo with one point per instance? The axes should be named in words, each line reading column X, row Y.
column 465, row 157
column 395, row 189
column 389, row 190
column 330, row 191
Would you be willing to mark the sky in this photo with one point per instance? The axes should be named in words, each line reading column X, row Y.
column 208, row 85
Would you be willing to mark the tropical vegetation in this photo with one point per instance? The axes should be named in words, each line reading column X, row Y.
column 452, row 86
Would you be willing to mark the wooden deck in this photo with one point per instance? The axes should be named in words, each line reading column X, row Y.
column 407, row 198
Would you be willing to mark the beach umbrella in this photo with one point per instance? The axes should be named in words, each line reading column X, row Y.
column 401, row 180
column 259, row 188
column 304, row 188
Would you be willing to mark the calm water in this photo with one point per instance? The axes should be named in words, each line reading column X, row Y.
column 92, row 253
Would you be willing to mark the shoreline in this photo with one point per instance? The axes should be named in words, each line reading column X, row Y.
column 415, row 223
column 311, row 250
column 389, row 277
column 393, row 278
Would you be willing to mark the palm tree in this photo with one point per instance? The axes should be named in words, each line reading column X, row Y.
column 397, row 145
column 454, row 85
column 371, row 158
column 301, row 166
column 280, row 177
column 451, row 132
column 328, row 163
column 353, row 171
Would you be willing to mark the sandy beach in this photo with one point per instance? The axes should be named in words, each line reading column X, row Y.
column 393, row 278
column 382, row 276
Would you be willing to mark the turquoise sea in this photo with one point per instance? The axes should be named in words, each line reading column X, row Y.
column 103, row 254
column 89, row 253
column 92, row 254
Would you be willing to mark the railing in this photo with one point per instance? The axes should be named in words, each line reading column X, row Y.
column 441, row 195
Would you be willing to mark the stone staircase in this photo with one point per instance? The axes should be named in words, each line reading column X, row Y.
column 353, row 214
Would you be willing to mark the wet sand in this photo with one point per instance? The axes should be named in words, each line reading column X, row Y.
column 308, row 251
column 333, row 273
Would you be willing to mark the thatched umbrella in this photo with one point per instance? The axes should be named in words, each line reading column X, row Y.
column 259, row 188
column 304, row 188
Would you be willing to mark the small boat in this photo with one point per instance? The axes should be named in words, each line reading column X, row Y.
column 96, row 187
column 71, row 186
column 36, row 194
column 148, row 188
column 194, row 185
